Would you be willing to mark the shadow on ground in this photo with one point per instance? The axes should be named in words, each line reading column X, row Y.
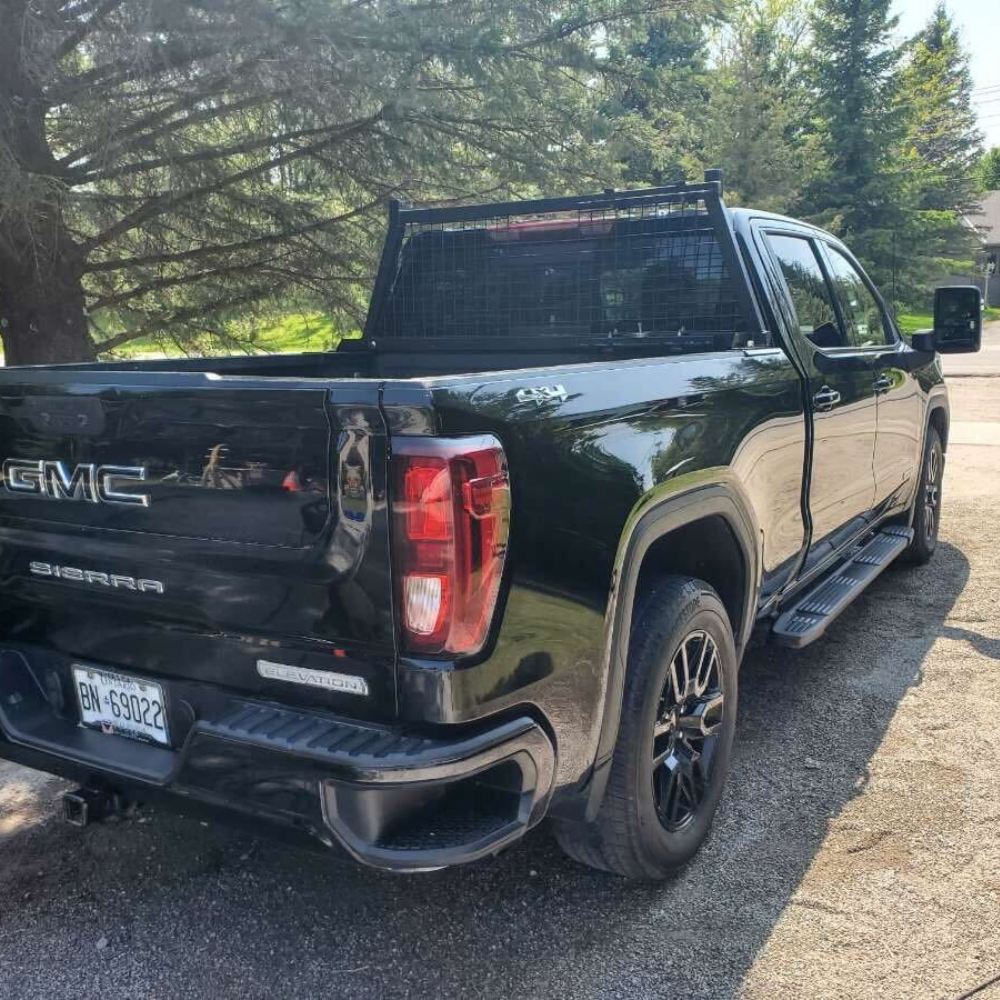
column 188, row 909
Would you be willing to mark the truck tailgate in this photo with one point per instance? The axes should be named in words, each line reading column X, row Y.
column 187, row 525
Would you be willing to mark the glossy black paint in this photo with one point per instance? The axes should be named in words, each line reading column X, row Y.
column 266, row 525
column 628, row 437
column 268, row 519
column 371, row 788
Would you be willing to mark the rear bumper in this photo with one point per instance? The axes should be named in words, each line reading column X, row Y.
column 399, row 799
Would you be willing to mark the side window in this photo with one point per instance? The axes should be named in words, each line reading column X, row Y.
column 866, row 326
column 810, row 293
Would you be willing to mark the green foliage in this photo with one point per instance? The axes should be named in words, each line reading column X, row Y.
column 279, row 334
column 187, row 162
column 659, row 110
column 911, row 322
column 943, row 143
column 759, row 104
column 989, row 170
column 937, row 91
column 860, row 189
column 899, row 143
column 302, row 332
column 204, row 177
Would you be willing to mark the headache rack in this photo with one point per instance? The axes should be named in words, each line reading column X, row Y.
column 657, row 268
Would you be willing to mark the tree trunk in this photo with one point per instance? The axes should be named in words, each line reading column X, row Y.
column 42, row 307
column 42, row 318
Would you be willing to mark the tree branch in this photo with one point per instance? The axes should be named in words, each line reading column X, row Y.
column 216, row 86
column 175, row 281
column 181, row 316
column 171, row 199
column 228, row 248
column 121, row 70
column 84, row 28
column 200, row 156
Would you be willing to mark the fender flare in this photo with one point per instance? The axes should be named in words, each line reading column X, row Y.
column 652, row 525
column 936, row 400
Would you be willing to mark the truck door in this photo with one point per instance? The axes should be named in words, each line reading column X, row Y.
column 841, row 393
column 900, row 406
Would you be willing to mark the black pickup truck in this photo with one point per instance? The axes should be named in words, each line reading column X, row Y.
column 496, row 561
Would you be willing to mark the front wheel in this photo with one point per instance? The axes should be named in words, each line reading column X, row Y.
column 927, row 503
column 675, row 737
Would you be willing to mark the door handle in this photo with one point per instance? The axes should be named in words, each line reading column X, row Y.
column 826, row 398
column 882, row 383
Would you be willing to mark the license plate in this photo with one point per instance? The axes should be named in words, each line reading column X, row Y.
column 121, row 705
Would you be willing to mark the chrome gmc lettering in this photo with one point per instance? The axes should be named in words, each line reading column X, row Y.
column 86, row 483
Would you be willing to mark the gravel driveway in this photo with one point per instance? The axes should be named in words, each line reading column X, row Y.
column 857, row 852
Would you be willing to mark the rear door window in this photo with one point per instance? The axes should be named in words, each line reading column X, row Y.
column 808, row 289
column 866, row 326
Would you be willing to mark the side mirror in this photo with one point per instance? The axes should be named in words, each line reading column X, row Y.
column 924, row 340
column 958, row 319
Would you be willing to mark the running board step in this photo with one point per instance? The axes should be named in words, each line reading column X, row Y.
column 812, row 614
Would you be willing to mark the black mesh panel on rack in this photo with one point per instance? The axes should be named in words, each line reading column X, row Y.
column 635, row 265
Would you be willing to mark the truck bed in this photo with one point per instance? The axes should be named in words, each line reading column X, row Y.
column 402, row 358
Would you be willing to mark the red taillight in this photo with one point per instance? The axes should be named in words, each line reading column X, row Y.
column 451, row 514
column 572, row 228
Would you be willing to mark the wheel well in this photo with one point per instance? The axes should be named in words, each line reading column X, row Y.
column 939, row 421
column 707, row 549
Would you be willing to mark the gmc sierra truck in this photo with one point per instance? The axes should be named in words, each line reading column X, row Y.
column 496, row 561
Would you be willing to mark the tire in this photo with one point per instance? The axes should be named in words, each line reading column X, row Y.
column 654, row 817
column 927, row 503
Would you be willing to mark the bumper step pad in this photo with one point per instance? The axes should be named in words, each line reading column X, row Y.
column 396, row 797
column 813, row 613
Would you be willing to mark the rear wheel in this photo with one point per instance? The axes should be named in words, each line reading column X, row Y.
column 674, row 741
column 927, row 503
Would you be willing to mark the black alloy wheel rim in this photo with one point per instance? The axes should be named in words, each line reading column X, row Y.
column 932, row 494
column 687, row 730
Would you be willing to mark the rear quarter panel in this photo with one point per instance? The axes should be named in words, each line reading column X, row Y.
column 592, row 447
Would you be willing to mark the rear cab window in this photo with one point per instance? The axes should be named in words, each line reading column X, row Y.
column 652, row 273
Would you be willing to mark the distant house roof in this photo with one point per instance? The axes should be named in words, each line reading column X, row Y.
column 987, row 219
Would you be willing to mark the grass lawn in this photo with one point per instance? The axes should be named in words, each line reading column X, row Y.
column 911, row 322
column 296, row 332
column 299, row 332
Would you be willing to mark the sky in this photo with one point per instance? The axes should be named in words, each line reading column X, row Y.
column 979, row 21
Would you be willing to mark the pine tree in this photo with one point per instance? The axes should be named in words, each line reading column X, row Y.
column 758, row 105
column 860, row 190
column 167, row 167
column 945, row 146
column 660, row 113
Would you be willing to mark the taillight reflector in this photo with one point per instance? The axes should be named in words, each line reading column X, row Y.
column 451, row 517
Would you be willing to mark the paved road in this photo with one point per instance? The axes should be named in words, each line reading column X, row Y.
column 857, row 853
